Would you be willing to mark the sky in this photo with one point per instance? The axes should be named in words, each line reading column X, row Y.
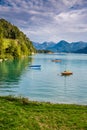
column 48, row 20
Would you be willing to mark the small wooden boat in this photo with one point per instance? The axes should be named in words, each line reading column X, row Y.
column 66, row 73
column 56, row 60
column 35, row 66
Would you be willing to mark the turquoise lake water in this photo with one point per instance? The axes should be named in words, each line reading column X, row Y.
column 46, row 83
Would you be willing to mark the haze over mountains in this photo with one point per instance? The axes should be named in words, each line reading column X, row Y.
column 62, row 46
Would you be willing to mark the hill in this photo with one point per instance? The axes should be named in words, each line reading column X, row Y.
column 13, row 42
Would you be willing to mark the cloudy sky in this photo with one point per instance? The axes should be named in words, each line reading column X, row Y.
column 48, row 20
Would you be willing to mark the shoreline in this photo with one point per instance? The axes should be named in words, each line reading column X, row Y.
column 40, row 101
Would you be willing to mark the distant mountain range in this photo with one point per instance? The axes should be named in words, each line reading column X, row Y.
column 84, row 50
column 44, row 45
column 62, row 46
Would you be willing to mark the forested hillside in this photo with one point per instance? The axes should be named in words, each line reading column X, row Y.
column 13, row 42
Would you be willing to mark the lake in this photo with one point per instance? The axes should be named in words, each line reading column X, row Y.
column 46, row 83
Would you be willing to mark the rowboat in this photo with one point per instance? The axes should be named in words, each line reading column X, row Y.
column 56, row 60
column 66, row 73
column 35, row 66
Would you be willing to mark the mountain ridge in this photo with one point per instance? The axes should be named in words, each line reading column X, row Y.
column 61, row 46
column 84, row 51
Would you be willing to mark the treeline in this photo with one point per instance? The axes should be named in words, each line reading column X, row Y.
column 13, row 42
column 44, row 51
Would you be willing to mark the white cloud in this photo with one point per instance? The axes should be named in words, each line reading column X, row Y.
column 47, row 19
column 72, row 21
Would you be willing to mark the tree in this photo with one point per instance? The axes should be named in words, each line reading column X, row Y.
column 18, row 45
column 1, row 46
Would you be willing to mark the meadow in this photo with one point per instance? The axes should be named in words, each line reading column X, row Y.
column 18, row 113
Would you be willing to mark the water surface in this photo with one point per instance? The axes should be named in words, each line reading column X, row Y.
column 46, row 83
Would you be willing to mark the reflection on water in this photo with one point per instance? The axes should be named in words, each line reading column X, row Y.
column 46, row 83
column 11, row 71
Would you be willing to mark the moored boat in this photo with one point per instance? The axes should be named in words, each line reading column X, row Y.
column 56, row 60
column 35, row 66
column 66, row 73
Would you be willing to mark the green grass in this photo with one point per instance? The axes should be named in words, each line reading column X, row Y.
column 22, row 114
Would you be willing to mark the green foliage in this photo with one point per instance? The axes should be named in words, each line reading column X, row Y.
column 22, row 114
column 44, row 51
column 1, row 46
column 13, row 42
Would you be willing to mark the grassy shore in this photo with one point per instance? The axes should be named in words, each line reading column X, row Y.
column 22, row 114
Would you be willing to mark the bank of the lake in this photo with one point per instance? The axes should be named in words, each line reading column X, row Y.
column 22, row 114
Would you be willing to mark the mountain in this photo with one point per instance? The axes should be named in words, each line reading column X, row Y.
column 13, row 42
column 37, row 45
column 61, row 46
column 78, row 45
column 84, row 50
column 43, row 46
